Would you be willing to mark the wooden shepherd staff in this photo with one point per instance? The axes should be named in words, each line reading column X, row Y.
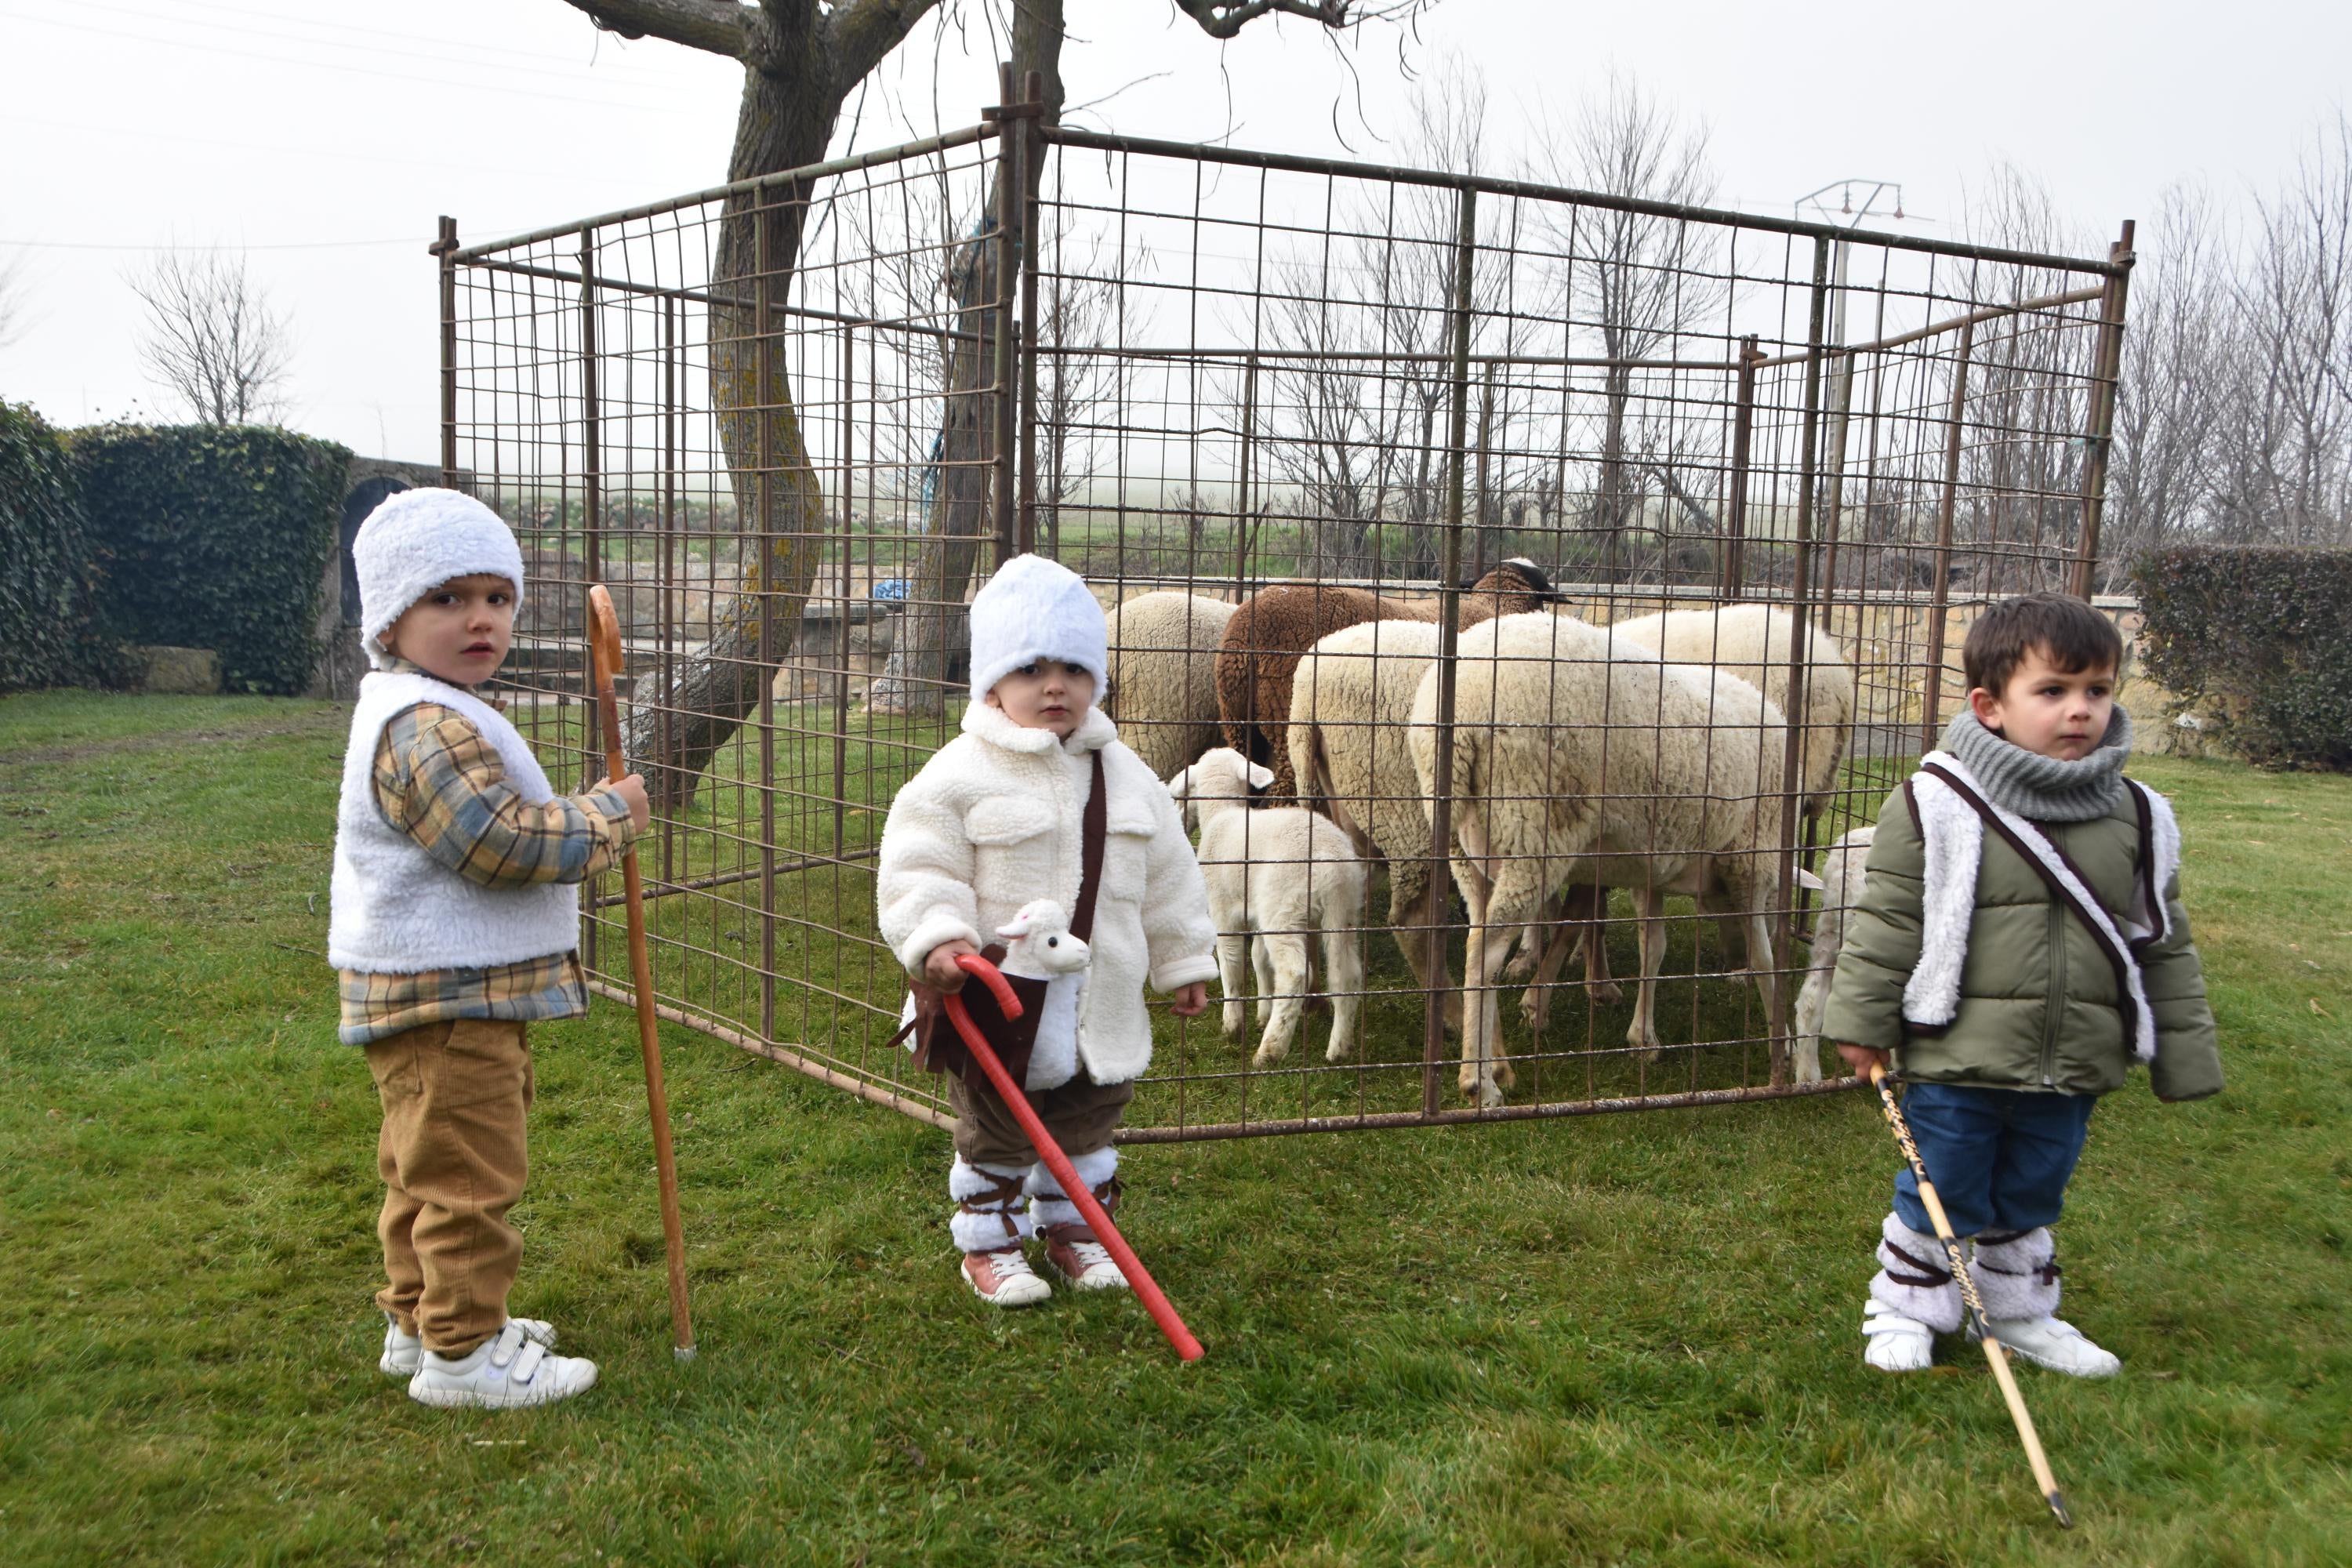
column 1994, row 1350
column 605, row 648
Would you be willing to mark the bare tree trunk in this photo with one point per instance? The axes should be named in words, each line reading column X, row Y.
column 935, row 627
column 786, row 121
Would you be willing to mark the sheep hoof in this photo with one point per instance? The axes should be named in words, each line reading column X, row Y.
column 1268, row 1055
column 1506, row 1075
column 1490, row 1096
column 1607, row 992
column 1522, row 965
column 1231, row 1023
column 1532, row 1012
column 1338, row 1051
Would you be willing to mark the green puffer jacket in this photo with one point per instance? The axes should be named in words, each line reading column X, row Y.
column 2040, row 1008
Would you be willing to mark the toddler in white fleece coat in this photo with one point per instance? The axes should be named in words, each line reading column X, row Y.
column 992, row 822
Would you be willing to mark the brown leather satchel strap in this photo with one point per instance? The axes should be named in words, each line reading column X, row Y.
column 1093, row 827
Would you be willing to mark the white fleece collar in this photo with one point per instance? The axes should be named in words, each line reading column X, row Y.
column 1952, row 834
column 987, row 722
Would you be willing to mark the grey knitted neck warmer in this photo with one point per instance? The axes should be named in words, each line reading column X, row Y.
column 2040, row 788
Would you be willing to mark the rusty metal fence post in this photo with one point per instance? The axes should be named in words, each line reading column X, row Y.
column 1011, row 204
column 444, row 247
column 1940, row 595
column 2100, row 435
column 1441, row 805
column 1743, row 431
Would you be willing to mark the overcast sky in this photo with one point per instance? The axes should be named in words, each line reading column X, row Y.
column 325, row 137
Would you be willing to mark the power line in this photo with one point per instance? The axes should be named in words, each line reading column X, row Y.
column 436, row 56
column 504, row 92
column 419, row 239
column 412, row 37
column 333, row 153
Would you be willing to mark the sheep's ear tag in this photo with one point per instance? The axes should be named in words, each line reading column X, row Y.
column 1260, row 775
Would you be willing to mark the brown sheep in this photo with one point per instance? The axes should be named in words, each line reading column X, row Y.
column 1273, row 628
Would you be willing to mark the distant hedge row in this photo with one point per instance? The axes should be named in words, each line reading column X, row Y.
column 2259, row 641
column 197, row 536
column 48, row 634
column 219, row 537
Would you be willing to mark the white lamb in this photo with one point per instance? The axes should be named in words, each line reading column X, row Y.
column 1841, row 891
column 1163, row 675
column 1275, row 875
column 1038, row 946
column 1582, row 757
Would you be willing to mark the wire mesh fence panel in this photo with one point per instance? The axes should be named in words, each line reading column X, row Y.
column 1522, row 589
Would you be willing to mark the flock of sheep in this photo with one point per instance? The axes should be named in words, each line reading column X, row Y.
column 1299, row 730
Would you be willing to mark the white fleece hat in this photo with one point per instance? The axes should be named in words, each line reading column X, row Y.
column 1032, row 609
column 418, row 540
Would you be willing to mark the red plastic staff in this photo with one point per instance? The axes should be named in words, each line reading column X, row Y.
column 971, row 963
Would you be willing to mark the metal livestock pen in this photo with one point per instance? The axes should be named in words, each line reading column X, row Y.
column 792, row 422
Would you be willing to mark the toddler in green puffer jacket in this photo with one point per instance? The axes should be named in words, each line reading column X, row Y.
column 2019, row 944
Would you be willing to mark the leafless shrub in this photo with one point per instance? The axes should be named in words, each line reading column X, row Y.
column 211, row 339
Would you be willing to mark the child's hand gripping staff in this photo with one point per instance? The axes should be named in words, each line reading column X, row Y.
column 605, row 645
column 971, row 963
column 1993, row 1350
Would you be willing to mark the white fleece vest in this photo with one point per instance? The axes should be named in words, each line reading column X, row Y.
column 1952, row 837
column 397, row 910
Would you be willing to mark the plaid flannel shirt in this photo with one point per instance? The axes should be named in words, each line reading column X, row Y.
column 438, row 781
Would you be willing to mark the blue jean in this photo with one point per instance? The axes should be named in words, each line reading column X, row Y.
column 2000, row 1158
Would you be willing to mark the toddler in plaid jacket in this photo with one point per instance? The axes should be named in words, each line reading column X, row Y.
column 456, row 921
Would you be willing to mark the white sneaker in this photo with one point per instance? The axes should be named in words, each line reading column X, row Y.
column 506, row 1372
column 1897, row 1343
column 2054, row 1342
column 401, row 1351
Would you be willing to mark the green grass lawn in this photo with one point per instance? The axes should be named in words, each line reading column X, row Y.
column 1621, row 1340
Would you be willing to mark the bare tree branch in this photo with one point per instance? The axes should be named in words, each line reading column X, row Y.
column 716, row 27
column 211, row 338
column 1226, row 18
column 861, row 33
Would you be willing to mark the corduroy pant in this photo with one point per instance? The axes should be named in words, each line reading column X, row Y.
column 456, row 1097
column 1081, row 1115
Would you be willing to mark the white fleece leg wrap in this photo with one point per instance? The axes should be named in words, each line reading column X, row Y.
column 1047, row 1204
column 991, row 1211
column 2017, row 1274
column 1915, row 1278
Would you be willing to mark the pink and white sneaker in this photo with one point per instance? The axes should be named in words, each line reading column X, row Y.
column 1003, row 1279
column 1077, row 1257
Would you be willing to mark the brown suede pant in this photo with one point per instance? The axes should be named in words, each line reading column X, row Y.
column 455, row 1098
column 1081, row 1115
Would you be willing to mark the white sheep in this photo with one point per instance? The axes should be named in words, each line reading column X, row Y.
column 1842, row 878
column 1349, row 757
column 1274, row 875
column 1752, row 642
column 1582, row 757
column 1163, row 675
